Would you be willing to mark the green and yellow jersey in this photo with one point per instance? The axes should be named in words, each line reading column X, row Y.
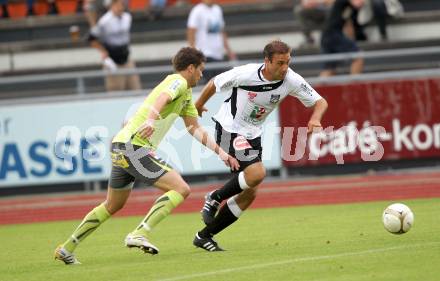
column 181, row 105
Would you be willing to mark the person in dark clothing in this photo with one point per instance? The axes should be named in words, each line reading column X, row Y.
column 334, row 40
column 311, row 14
column 380, row 16
column 381, row 13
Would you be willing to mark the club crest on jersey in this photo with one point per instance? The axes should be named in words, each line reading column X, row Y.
column 174, row 86
column 275, row 98
column 241, row 143
column 306, row 89
column 252, row 95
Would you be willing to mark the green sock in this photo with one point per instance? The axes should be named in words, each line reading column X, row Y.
column 90, row 222
column 160, row 210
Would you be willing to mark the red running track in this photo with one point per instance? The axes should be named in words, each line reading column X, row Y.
column 335, row 190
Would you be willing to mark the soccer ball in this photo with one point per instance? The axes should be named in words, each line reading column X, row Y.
column 398, row 218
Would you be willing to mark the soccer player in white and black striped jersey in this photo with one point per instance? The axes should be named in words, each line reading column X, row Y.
column 252, row 92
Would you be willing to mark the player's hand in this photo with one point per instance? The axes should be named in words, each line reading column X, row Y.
column 232, row 56
column 314, row 126
column 201, row 109
column 146, row 129
column 110, row 64
column 229, row 160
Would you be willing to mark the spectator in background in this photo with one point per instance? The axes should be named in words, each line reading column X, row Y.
column 51, row 3
column 334, row 40
column 380, row 16
column 312, row 14
column 53, row 10
column 111, row 36
column 381, row 11
column 94, row 9
column 156, row 9
column 4, row 9
column 30, row 7
column 205, row 31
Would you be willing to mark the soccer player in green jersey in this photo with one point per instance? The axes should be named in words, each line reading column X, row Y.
column 133, row 157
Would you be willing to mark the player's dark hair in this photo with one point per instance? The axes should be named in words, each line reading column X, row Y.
column 114, row 2
column 276, row 47
column 187, row 56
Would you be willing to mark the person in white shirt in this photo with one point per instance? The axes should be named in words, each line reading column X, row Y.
column 94, row 9
column 253, row 91
column 205, row 31
column 111, row 36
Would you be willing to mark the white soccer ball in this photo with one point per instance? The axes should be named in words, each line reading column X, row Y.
column 398, row 218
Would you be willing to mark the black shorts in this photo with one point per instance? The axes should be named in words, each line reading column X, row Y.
column 246, row 151
column 138, row 165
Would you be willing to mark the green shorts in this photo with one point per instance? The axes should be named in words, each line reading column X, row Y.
column 135, row 164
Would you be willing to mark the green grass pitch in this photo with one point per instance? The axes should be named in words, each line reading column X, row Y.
column 333, row 242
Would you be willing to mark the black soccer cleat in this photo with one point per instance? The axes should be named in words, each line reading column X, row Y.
column 207, row 244
column 209, row 209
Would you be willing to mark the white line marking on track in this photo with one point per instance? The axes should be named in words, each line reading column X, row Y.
column 304, row 259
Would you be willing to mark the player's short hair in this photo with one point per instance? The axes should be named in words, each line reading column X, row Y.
column 114, row 2
column 187, row 56
column 276, row 47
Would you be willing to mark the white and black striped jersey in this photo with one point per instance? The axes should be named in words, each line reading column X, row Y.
column 251, row 98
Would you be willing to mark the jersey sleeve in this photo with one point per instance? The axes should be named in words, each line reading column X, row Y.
column 174, row 88
column 222, row 19
column 130, row 18
column 227, row 80
column 302, row 90
column 193, row 18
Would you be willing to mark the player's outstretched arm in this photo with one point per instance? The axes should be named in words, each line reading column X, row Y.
column 147, row 128
column 199, row 133
column 207, row 92
column 318, row 111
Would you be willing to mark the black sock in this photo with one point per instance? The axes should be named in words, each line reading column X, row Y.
column 223, row 219
column 231, row 188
